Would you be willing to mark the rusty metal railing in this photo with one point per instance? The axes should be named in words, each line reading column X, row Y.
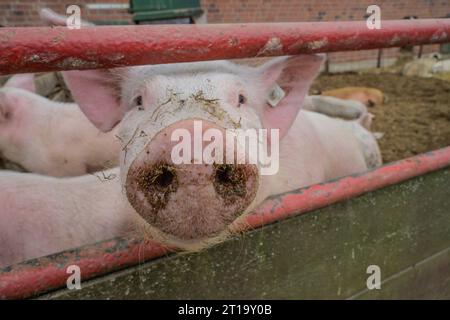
column 49, row 49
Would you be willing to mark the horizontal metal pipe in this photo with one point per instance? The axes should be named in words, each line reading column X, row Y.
column 50, row 49
column 41, row 275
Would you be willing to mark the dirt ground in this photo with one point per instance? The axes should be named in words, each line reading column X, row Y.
column 416, row 117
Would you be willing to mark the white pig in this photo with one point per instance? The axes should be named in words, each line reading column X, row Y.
column 185, row 205
column 40, row 215
column 48, row 137
column 335, row 107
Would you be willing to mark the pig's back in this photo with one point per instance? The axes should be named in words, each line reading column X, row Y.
column 338, row 147
column 77, row 146
column 317, row 148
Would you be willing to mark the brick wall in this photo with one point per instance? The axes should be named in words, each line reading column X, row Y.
column 25, row 13
column 232, row 11
column 318, row 10
column 14, row 13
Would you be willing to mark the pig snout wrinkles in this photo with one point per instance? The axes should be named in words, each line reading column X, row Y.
column 188, row 201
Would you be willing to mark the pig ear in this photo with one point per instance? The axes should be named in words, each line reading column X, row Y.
column 294, row 75
column 23, row 81
column 97, row 95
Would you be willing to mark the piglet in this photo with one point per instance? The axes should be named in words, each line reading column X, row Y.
column 51, row 138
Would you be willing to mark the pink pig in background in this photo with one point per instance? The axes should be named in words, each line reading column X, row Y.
column 188, row 206
column 48, row 137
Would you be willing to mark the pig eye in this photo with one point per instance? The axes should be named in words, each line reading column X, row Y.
column 138, row 101
column 242, row 99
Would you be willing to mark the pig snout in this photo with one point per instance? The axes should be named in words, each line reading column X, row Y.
column 189, row 201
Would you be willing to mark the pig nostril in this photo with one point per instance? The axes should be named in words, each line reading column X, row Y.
column 224, row 174
column 156, row 182
column 230, row 181
column 156, row 178
column 165, row 178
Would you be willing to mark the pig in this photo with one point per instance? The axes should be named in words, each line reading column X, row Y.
column 50, row 138
column 422, row 67
column 191, row 205
column 40, row 215
column 335, row 107
column 351, row 110
column 368, row 96
column 188, row 205
column 441, row 66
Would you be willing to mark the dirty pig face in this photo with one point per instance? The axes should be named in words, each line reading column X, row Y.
column 192, row 204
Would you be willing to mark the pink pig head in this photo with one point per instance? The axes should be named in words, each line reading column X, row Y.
column 193, row 203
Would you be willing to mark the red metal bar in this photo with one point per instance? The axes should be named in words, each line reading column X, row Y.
column 45, row 274
column 321, row 195
column 50, row 49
